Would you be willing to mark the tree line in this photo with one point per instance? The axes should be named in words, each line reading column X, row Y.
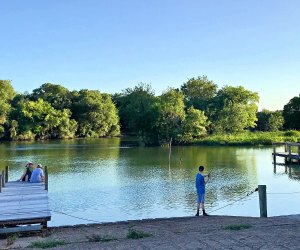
column 179, row 115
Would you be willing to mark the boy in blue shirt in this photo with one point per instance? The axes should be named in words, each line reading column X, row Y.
column 200, row 186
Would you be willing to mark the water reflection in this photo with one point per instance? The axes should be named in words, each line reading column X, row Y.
column 291, row 170
column 116, row 179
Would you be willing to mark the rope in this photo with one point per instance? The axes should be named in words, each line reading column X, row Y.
column 229, row 204
column 297, row 192
column 76, row 216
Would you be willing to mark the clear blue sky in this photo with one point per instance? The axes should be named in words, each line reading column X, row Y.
column 112, row 45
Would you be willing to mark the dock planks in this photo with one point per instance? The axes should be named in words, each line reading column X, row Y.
column 23, row 203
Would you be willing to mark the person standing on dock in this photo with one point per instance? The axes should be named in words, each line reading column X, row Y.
column 200, row 186
column 37, row 174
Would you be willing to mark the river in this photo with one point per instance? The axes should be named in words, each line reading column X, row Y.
column 107, row 180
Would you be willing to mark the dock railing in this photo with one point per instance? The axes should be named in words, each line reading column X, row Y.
column 4, row 177
column 46, row 178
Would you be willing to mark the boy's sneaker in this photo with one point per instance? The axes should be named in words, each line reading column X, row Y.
column 197, row 214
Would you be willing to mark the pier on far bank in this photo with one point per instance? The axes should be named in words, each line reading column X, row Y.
column 289, row 155
column 24, row 206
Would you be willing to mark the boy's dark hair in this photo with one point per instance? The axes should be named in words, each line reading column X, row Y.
column 201, row 168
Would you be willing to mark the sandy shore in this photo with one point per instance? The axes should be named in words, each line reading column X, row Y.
column 213, row 232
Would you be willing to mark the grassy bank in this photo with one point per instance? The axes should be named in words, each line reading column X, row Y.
column 250, row 138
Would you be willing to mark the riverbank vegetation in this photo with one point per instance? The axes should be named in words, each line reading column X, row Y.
column 198, row 112
column 248, row 138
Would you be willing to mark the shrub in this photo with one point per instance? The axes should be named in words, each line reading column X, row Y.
column 99, row 238
column 292, row 133
column 47, row 243
column 237, row 226
column 134, row 234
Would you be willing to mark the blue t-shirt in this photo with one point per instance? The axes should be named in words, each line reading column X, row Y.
column 36, row 175
column 200, row 183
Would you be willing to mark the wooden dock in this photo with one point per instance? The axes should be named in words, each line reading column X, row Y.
column 288, row 154
column 24, row 206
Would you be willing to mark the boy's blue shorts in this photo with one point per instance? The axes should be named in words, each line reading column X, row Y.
column 201, row 198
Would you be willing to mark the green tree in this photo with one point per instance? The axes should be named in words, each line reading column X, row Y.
column 171, row 116
column 137, row 109
column 39, row 120
column 194, row 125
column 276, row 121
column 58, row 96
column 20, row 127
column 65, row 127
column 13, row 130
column 7, row 93
column 232, row 118
column 269, row 121
column 199, row 92
column 262, row 119
column 95, row 114
column 291, row 114
column 234, row 109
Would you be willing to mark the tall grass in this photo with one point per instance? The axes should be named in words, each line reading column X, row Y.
column 250, row 138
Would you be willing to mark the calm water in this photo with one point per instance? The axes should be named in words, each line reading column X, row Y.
column 103, row 180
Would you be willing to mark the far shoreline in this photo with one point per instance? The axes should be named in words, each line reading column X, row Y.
column 246, row 138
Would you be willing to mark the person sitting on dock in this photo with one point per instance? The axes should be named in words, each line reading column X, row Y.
column 27, row 172
column 37, row 174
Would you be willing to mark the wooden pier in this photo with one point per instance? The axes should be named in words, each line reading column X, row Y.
column 24, row 206
column 288, row 154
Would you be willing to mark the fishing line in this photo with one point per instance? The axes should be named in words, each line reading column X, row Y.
column 59, row 212
column 76, row 217
column 229, row 204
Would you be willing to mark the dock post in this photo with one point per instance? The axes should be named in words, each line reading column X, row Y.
column 44, row 224
column 274, row 154
column 290, row 171
column 3, row 178
column 0, row 183
column 6, row 173
column 298, row 154
column 262, row 200
column 46, row 178
column 290, row 153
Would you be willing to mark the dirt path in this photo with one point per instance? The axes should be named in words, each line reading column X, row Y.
column 213, row 232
